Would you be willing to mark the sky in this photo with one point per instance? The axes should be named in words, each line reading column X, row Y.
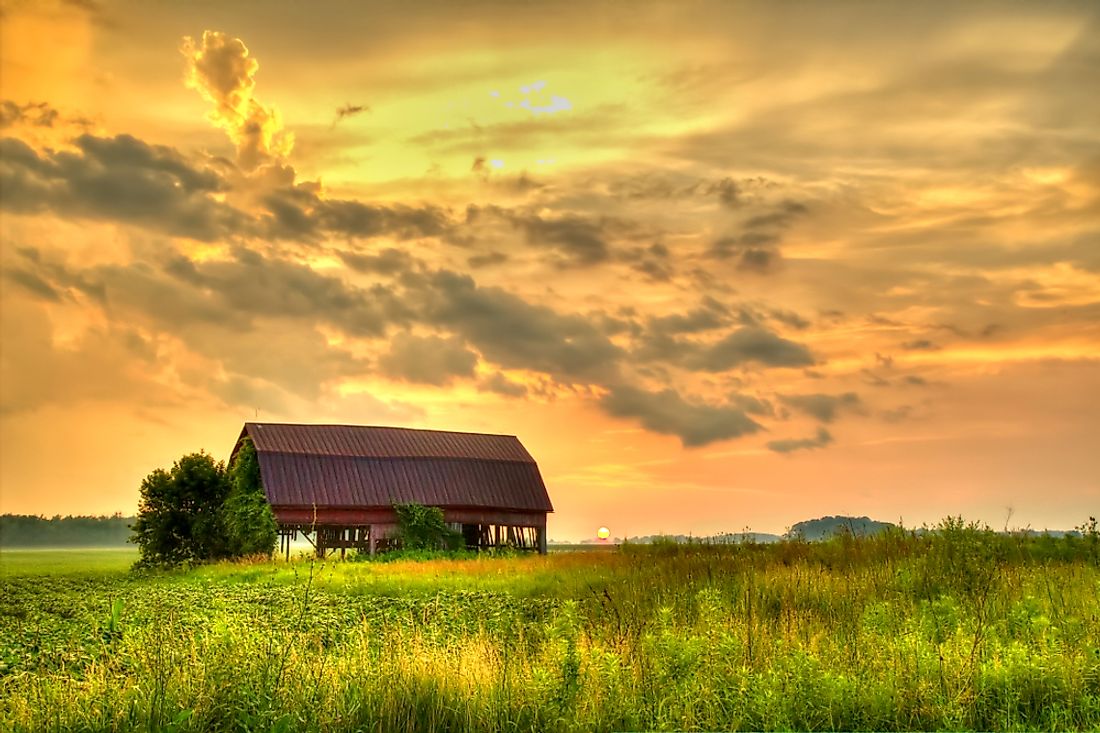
column 719, row 265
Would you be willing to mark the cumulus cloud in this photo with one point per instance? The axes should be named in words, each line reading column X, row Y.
column 668, row 413
column 222, row 71
column 821, row 439
column 823, row 407
column 427, row 359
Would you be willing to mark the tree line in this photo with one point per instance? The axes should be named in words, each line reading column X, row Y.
column 28, row 530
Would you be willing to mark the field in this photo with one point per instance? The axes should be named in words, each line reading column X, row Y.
column 959, row 630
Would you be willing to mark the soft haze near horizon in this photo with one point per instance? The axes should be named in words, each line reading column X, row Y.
column 718, row 265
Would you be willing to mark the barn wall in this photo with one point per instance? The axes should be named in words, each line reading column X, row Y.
column 386, row 515
column 362, row 528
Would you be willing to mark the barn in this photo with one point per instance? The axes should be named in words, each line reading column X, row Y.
column 337, row 484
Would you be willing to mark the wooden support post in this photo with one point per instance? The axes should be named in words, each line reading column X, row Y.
column 540, row 532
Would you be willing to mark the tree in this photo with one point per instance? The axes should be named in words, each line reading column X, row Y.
column 249, row 522
column 180, row 515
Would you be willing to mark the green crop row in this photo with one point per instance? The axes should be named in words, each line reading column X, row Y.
column 961, row 629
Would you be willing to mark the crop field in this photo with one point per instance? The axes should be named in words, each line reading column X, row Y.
column 963, row 629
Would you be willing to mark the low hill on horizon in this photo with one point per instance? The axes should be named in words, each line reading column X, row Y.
column 826, row 527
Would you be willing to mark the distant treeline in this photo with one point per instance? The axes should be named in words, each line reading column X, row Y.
column 26, row 530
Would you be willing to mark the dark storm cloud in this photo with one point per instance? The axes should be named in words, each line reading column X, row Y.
column 486, row 260
column 751, row 344
column 514, row 333
column 821, row 439
column 298, row 213
column 756, row 247
column 237, row 293
column 390, row 261
column 758, row 260
column 654, row 271
column 897, row 414
column 753, row 252
column 349, row 110
column 176, row 293
column 668, row 413
column 574, row 240
column 708, row 316
column 502, row 385
column 124, row 179
column 254, row 285
column 652, row 261
column 245, row 391
column 118, row 178
column 752, row 405
column 920, row 345
column 823, row 407
column 35, row 114
column 211, row 310
column 427, row 359
column 781, row 217
column 33, row 283
column 731, row 193
column 789, row 318
column 580, row 240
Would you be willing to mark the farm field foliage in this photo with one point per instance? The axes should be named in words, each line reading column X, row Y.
column 962, row 629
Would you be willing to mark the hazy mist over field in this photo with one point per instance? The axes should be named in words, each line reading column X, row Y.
column 718, row 265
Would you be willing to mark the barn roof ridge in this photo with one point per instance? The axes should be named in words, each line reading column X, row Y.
column 353, row 456
column 379, row 427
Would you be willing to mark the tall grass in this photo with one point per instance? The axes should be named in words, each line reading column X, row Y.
column 958, row 629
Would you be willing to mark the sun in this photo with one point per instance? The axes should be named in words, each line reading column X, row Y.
column 603, row 533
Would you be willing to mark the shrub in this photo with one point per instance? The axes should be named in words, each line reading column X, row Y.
column 422, row 528
column 249, row 521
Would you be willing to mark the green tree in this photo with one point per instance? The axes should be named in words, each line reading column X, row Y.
column 249, row 522
column 180, row 515
column 422, row 527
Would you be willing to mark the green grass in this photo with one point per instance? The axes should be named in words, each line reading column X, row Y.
column 67, row 561
column 962, row 630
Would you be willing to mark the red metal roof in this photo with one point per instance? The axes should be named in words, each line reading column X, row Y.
column 362, row 466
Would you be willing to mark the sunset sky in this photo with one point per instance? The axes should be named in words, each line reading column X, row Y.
column 718, row 265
